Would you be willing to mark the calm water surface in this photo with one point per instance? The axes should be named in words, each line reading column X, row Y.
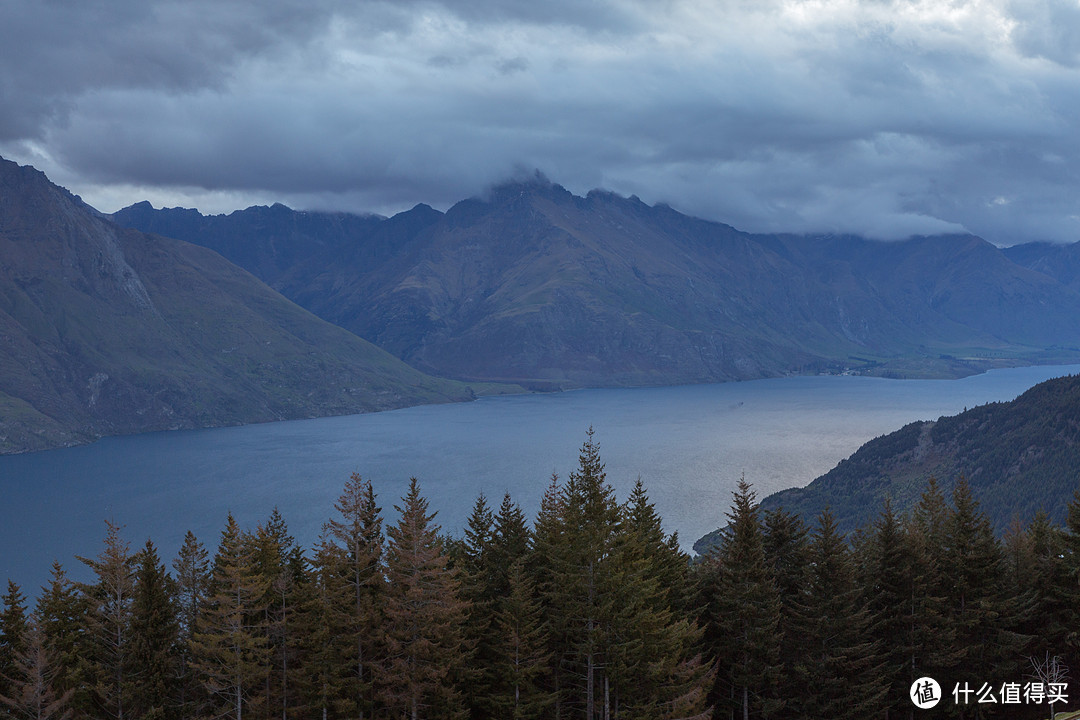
column 689, row 445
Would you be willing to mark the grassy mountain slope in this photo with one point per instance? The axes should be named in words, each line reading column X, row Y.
column 108, row 330
column 1018, row 456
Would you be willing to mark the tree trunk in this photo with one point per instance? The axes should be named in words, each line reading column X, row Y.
column 558, row 697
column 517, row 683
column 360, row 673
column 590, row 690
column 590, row 703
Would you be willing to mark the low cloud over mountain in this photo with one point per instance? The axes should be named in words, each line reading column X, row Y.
column 885, row 119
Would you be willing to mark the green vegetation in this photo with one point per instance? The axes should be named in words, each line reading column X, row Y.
column 593, row 613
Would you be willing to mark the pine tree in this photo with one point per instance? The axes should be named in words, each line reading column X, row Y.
column 479, row 532
column 888, row 592
column 655, row 669
column 520, row 655
column 1070, row 582
column 1038, row 586
column 479, row 578
column 744, row 611
column 31, row 694
column 110, row 624
column 424, row 615
column 663, row 556
column 979, row 613
column 787, row 553
column 929, row 518
column 510, row 542
column 192, row 566
column 13, row 636
column 327, row 619
column 933, row 637
column 229, row 648
column 280, row 562
column 544, row 566
column 63, row 618
column 1018, row 557
column 521, row 640
column 491, row 545
column 153, row 653
column 587, row 587
column 359, row 534
column 832, row 630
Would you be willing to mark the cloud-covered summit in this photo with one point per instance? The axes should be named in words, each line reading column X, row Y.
column 885, row 117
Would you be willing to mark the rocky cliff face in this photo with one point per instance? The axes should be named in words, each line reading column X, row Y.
column 106, row 330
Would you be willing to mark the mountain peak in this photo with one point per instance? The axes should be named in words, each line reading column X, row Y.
column 27, row 180
column 9, row 168
column 536, row 184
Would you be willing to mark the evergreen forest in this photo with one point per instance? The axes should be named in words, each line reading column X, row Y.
column 589, row 612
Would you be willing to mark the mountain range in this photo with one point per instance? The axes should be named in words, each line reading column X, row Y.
column 107, row 330
column 154, row 319
column 534, row 285
column 1019, row 457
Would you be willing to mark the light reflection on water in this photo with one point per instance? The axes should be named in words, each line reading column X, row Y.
column 689, row 444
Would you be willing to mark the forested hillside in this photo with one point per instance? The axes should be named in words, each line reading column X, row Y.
column 592, row 612
column 1018, row 457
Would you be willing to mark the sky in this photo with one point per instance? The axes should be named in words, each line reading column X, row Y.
column 881, row 117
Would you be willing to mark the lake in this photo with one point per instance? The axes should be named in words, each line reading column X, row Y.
column 689, row 444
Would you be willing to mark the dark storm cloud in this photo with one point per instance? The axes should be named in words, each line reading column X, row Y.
column 54, row 52
column 882, row 117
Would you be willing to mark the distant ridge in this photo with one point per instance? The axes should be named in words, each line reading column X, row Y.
column 107, row 330
column 1061, row 262
column 1018, row 457
column 535, row 285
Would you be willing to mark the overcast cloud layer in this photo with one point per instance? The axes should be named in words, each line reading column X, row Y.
column 884, row 117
